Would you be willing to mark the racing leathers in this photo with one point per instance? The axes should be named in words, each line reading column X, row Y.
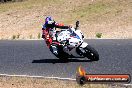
column 49, row 28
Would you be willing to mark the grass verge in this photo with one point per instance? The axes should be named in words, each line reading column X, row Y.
column 26, row 82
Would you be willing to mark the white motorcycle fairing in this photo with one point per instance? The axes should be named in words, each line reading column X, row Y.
column 83, row 45
column 75, row 40
column 71, row 44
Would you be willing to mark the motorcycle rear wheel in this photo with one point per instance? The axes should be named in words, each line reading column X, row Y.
column 61, row 54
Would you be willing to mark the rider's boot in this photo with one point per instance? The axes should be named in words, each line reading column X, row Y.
column 54, row 49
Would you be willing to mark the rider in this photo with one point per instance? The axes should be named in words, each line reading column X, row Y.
column 50, row 26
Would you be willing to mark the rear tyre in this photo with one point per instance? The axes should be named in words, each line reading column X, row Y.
column 91, row 53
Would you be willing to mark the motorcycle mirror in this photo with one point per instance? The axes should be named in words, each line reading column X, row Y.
column 77, row 25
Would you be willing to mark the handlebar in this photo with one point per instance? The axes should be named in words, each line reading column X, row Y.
column 77, row 25
column 63, row 27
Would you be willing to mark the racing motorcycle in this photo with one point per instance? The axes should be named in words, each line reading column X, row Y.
column 71, row 44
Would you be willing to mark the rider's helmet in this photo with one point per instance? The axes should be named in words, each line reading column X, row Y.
column 50, row 23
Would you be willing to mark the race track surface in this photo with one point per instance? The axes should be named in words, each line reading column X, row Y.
column 33, row 58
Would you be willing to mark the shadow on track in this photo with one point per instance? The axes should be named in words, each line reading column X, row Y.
column 59, row 61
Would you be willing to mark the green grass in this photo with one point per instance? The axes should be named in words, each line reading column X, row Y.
column 26, row 4
column 99, row 11
column 14, row 37
column 99, row 35
column 39, row 36
column 89, row 12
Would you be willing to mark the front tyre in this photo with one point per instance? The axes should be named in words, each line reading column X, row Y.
column 91, row 53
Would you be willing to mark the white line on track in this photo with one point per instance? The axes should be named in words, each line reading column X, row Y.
column 59, row 78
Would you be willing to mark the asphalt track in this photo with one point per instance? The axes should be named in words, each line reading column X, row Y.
column 23, row 57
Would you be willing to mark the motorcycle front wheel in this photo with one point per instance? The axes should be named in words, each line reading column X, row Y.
column 91, row 53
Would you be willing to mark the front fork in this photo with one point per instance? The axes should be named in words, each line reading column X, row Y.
column 81, row 49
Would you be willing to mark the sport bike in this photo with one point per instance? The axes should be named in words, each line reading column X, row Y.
column 70, row 43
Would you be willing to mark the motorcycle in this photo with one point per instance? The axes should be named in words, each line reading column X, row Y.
column 71, row 44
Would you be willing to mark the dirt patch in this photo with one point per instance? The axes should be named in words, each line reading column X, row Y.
column 34, row 82
column 111, row 18
column 27, row 82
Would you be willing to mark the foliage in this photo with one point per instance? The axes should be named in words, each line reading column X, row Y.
column 14, row 37
column 99, row 35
